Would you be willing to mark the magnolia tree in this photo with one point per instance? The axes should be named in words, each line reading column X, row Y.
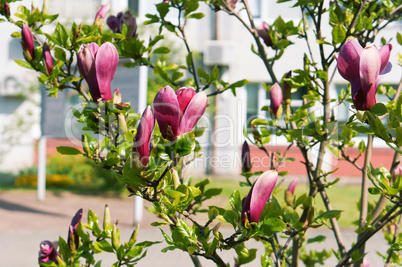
column 148, row 153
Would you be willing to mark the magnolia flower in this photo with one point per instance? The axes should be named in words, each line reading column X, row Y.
column 245, row 157
column 27, row 43
column 264, row 33
column 72, row 233
column 292, row 186
column 116, row 23
column 275, row 95
column 142, row 140
column 47, row 58
column 258, row 196
column 47, row 252
column 98, row 66
column 178, row 112
column 101, row 14
column 362, row 67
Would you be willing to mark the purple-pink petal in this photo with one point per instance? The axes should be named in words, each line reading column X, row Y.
column 259, row 195
column 292, row 186
column 348, row 59
column 194, row 110
column 102, row 12
column 142, row 141
column 385, row 52
column 370, row 64
column 27, row 39
column 276, row 97
column 47, row 252
column 47, row 57
column 167, row 112
column 106, row 61
column 184, row 96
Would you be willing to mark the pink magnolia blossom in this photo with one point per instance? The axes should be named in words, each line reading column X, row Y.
column 47, row 252
column 292, row 186
column 258, row 196
column 362, row 67
column 264, row 33
column 27, row 43
column 47, row 58
column 142, row 140
column 98, row 66
column 178, row 112
column 276, row 97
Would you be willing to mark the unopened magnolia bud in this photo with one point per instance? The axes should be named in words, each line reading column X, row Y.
column 115, row 237
column 287, row 93
column 215, row 230
column 27, row 43
column 133, row 237
column 176, row 178
column 47, row 58
column 245, row 157
column 289, row 198
column 276, row 97
column 122, row 124
column 106, row 219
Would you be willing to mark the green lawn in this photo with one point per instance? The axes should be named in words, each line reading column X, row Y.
column 343, row 197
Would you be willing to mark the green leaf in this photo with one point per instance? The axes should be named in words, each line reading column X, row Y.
column 318, row 238
column 212, row 192
column 374, row 191
column 161, row 50
column 361, row 147
column 272, row 226
column 328, row 214
column 379, row 109
column 196, row 16
column 103, row 245
column 66, row 150
column 60, row 54
column 185, row 144
column 397, row 246
column 338, row 34
column 215, row 73
column 163, row 9
column 23, row 64
column 245, row 255
column 399, row 38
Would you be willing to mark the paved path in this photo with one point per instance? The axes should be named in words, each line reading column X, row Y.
column 24, row 223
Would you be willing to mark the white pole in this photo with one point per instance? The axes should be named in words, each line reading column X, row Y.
column 142, row 103
column 41, row 169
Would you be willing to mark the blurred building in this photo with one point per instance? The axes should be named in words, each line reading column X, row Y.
column 230, row 49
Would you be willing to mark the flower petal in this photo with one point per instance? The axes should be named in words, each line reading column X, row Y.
column 348, row 59
column 385, row 52
column 262, row 190
column 167, row 112
column 195, row 109
column 106, row 61
column 184, row 96
column 142, row 141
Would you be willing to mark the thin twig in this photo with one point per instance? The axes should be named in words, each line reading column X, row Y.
column 364, row 193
